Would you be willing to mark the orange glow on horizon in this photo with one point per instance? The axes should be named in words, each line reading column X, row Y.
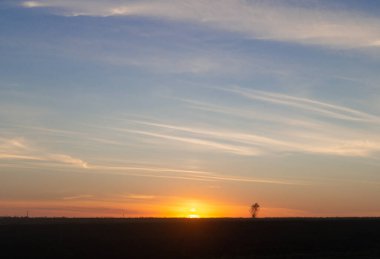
column 193, row 216
column 192, row 209
column 164, row 208
column 85, row 207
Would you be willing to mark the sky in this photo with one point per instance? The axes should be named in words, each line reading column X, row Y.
column 166, row 108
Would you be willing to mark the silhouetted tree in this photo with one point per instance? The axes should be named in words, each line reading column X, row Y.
column 254, row 209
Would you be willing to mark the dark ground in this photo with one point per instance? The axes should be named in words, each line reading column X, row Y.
column 189, row 238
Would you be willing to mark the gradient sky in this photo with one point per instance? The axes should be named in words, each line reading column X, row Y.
column 174, row 108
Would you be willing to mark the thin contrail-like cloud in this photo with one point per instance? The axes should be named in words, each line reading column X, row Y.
column 187, row 174
column 304, row 141
column 327, row 109
column 18, row 149
column 226, row 135
column 46, row 159
column 150, row 169
column 234, row 149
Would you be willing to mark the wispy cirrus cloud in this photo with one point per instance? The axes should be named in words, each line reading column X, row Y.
column 32, row 4
column 183, row 174
column 66, row 159
column 313, row 142
column 198, row 142
column 19, row 149
column 234, row 149
column 327, row 109
column 305, row 134
column 42, row 159
column 227, row 135
column 295, row 22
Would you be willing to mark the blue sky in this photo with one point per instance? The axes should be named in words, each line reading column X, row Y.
column 150, row 105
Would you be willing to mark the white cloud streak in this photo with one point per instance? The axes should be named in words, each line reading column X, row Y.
column 197, row 142
column 151, row 169
column 47, row 159
column 19, row 149
column 307, row 137
column 227, row 135
column 266, row 20
column 326, row 109
column 65, row 159
column 32, row 4
column 172, row 173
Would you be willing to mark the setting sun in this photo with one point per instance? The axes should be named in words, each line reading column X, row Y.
column 193, row 214
column 195, row 209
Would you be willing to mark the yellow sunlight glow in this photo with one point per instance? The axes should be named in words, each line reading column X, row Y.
column 193, row 215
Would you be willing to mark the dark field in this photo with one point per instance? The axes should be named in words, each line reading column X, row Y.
column 189, row 238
